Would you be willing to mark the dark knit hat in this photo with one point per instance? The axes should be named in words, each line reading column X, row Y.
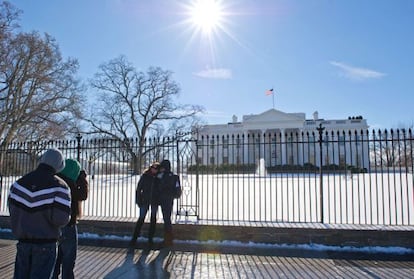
column 166, row 164
column 53, row 158
column 72, row 169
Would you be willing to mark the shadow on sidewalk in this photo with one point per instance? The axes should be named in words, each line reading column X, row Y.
column 143, row 264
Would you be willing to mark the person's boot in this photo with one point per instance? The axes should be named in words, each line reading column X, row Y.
column 137, row 231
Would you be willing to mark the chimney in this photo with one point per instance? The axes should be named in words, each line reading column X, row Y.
column 234, row 119
column 315, row 115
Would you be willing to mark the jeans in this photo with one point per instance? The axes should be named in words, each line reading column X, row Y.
column 153, row 219
column 144, row 209
column 67, row 251
column 34, row 260
column 166, row 208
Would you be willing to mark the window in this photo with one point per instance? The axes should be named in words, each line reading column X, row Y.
column 212, row 143
column 327, row 160
column 290, row 160
column 225, row 159
column 342, row 160
column 357, row 139
column 341, row 140
column 238, row 143
column 326, row 140
column 225, row 143
column 312, row 158
column 238, row 160
column 225, row 152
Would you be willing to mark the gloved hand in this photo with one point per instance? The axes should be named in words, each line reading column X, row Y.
column 139, row 199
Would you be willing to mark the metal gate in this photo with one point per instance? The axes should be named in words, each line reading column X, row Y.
column 188, row 204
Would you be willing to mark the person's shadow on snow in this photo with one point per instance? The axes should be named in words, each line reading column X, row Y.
column 149, row 265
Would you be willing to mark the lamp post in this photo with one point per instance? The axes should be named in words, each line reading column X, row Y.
column 320, row 130
column 78, row 148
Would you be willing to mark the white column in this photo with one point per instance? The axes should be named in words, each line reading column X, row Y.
column 245, row 148
column 262, row 149
column 299, row 149
column 283, row 146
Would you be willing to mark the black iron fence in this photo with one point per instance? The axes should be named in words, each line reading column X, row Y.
column 341, row 177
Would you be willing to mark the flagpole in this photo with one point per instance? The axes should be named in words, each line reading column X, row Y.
column 270, row 92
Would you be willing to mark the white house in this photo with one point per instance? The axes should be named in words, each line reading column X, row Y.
column 282, row 138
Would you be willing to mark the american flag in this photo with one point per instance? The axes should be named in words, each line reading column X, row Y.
column 269, row 92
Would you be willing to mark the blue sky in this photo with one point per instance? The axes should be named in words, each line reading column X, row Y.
column 340, row 58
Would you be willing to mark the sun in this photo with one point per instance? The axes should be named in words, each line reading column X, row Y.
column 206, row 15
column 208, row 23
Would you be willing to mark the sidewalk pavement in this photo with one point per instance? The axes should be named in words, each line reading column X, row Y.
column 102, row 259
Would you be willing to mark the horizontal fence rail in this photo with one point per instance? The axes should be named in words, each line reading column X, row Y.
column 333, row 177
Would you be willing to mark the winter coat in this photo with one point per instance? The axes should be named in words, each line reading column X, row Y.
column 83, row 190
column 39, row 205
column 170, row 187
column 79, row 192
column 147, row 191
column 83, row 186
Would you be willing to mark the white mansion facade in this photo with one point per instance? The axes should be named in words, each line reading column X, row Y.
column 281, row 138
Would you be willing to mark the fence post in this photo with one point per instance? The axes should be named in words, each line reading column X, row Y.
column 320, row 130
column 78, row 148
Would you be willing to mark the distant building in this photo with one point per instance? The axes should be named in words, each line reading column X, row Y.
column 284, row 139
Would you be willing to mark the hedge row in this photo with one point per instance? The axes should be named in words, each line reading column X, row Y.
column 251, row 168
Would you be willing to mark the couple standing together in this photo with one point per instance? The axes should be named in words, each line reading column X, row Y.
column 158, row 186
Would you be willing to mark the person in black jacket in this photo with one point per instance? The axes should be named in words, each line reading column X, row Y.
column 39, row 205
column 170, row 189
column 147, row 193
column 68, row 242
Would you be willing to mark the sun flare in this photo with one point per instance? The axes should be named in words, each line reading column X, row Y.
column 206, row 15
column 208, row 24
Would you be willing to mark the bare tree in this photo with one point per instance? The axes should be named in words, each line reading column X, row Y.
column 137, row 104
column 39, row 93
column 8, row 17
column 393, row 149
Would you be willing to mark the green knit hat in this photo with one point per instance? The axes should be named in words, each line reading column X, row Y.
column 72, row 169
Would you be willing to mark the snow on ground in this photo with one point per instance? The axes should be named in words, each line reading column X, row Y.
column 309, row 247
column 375, row 199
column 241, row 245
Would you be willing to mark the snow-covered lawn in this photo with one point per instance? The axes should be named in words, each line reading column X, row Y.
column 386, row 198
